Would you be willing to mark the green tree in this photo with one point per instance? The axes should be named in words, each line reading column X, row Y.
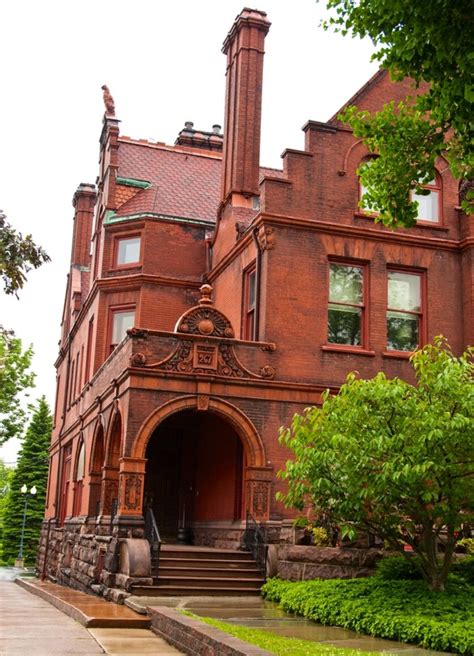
column 18, row 255
column 392, row 459
column 15, row 378
column 32, row 470
column 6, row 474
column 429, row 42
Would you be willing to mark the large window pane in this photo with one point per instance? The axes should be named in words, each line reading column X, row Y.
column 404, row 291
column 428, row 206
column 344, row 325
column 128, row 250
column 122, row 322
column 402, row 331
column 346, row 284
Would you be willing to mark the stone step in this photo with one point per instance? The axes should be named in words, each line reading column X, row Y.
column 165, row 561
column 206, row 572
column 216, row 582
column 200, row 554
column 195, row 590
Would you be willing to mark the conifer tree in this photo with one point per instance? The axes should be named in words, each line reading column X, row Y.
column 32, row 470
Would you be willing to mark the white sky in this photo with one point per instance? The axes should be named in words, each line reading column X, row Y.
column 163, row 64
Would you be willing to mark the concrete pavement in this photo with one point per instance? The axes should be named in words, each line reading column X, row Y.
column 30, row 625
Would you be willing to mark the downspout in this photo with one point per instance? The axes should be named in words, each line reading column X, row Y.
column 258, row 272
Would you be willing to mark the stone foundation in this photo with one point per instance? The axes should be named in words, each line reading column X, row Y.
column 300, row 563
column 84, row 554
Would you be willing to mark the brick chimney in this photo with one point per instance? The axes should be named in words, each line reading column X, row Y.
column 83, row 203
column 244, row 47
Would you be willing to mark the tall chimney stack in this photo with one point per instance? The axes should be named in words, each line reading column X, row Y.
column 244, row 47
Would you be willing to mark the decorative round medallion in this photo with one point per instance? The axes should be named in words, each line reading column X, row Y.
column 205, row 326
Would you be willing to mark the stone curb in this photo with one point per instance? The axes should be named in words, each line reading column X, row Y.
column 196, row 638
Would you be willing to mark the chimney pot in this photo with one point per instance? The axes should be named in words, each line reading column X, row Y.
column 216, row 128
column 188, row 125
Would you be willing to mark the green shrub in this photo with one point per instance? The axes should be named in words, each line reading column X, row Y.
column 320, row 536
column 464, row 569
column 402, row 610
column 398, row 568
column 467, row 544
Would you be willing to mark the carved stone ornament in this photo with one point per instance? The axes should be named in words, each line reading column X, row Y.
column 109, row 492
column 260, row 497
column 108, row 101
column 212, row 357
column 203, row 402
column 137, row 333
column 266, row 238
column 138, row 360
column 132, row 492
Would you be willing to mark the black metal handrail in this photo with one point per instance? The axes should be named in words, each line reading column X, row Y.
column 255, row 541
column 152, row 534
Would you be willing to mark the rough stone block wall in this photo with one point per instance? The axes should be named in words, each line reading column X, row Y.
column 300, row 563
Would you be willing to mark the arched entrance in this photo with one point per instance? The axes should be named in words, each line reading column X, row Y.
column 194, row 472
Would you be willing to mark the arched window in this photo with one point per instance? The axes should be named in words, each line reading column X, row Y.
column 429, row 202
column 79, row 480
column 367, row 161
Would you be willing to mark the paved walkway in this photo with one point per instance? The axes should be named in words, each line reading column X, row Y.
column 30, row 625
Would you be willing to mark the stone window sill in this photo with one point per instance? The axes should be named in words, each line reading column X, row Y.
column 351, row 350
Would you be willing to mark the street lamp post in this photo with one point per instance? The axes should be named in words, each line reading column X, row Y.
column 19, row 562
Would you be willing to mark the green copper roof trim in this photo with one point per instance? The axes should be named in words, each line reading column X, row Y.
column 132, row 182
column 111, row 217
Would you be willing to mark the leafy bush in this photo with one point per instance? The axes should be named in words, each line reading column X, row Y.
column 402, row 610
column 320, row 536
column 464, row 569
column 467, row 544
column 398, row 568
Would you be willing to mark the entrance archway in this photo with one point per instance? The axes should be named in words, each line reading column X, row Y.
column 194, row 472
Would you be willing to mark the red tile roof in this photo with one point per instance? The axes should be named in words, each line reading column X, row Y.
column 184, row 182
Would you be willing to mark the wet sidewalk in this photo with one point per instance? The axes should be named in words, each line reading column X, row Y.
column 256, row 613
column 32, row 625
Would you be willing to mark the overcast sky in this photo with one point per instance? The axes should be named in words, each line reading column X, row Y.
column 163, row 64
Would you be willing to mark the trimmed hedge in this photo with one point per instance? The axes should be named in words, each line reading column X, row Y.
column 403, row 610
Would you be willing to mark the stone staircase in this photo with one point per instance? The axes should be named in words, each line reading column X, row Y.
column 188, row 570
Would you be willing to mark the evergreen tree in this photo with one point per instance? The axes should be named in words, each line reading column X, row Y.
column 6, row 474
column 32, row 470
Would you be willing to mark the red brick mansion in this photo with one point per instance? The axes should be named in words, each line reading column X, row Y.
column 218, row 299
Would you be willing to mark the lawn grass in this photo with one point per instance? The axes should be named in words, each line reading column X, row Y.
column 276, row 644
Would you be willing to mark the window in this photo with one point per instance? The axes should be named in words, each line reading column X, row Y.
column 346, row 304
column 404, row 312
column 79, row 481
column 128, row 250
column 428, row 204
column 65, row 476
column 249, row 298
column 121, row 322
column 362, row 190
